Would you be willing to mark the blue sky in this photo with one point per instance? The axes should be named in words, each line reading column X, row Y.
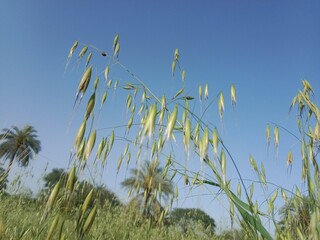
column 264, row 47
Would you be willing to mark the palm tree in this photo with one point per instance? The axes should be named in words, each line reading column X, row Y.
column 150, row 185
column 19, row 145
column 296, row 213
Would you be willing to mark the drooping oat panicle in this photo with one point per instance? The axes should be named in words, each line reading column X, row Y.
column 307, row 87
column 90, row 144
column 129, row 101
column 233, row 95
column 109, row 83
column 115, row 85
column 83, row 85
column 171, row 123
column 196, row 133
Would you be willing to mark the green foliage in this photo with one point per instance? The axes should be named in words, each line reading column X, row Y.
column 19, row 144
column 187, row 218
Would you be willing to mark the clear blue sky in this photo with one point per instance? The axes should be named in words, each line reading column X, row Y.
column 264, row 47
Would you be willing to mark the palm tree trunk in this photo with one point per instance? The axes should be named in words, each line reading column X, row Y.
column 6, row 173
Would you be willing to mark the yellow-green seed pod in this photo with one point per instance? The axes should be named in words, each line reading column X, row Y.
column 117, row 49
column 101, row 146
column 87, row 202
column 95, row 85
column 306, row 86
column 253, row 164
column 221, row 105
column 85, row 80
column 176, row 54
column 115, row 85
column 204, row 144
column 251, row 190
column 160, row 144
column 80, row 134
column 178, row 93
column 215, row 141
column 171, row 123
column 233, row 96
column 111, row 140
column 150, row 121
column 73, row 48
column 71, row 179
column 223, row 163
column 196, row 133
column 187, row 135
column 53, row 227
column 88, row 223
column 128, row 158
column 88, row 59
column 53, row 196
column 130, row 122
column 276, row 136
column 106, row 73
column 83, row 51
column 239, row 190
column 289, row 158
column 316, row 131
column 206, row 91
column 105, row 153
column 183, row 75
column 80, row 149
column 200, row 92
column 173, row 67
column 115, row 41
column 90, row 106
column 119, row 163
column 109, row 83
column 274, row 196
column 268, row 134
column 90, row 144
column 284, row 195
column 133, row 109
column 129, row 101
column 173, row 175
